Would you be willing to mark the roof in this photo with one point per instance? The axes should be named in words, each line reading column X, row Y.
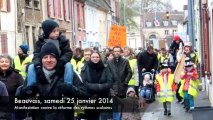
column 161, row 17
column 102, row 4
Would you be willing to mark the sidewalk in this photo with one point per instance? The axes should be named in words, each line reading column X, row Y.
column 202, row 99
column 154, row 111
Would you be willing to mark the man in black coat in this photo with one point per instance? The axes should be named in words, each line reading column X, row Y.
column 121, row 74
column 51, row 83
column 147, row 62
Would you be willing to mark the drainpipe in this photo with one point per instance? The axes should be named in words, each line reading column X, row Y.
column 191, row 21
column 201, row 47
column 16, row 20
column 107, row 27
column 73, row 42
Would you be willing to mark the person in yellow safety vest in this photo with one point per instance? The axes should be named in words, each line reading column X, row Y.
column 22, row 60
column 161, row 57
column 77, row 58
column 189, row 84
column 87, row 53
column 165, row 87
column 189, row 52
column 134, row 81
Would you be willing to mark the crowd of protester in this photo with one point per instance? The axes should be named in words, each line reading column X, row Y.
column 130, row 76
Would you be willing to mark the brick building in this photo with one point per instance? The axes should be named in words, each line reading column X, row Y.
column 29, row 18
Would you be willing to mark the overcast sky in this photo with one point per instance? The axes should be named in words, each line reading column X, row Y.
column 178, row 4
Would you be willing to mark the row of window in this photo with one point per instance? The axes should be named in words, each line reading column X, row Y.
column 56, row 8
column 59, row 9
column 167, row 32
column 157, row 23
column 32, row 3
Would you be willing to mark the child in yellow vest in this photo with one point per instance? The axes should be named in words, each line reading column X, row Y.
column 165, row 87
column 189, row 84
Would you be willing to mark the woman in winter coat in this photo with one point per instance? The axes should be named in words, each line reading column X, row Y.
column 97, row 79
column 11, row 79
column 9, row 76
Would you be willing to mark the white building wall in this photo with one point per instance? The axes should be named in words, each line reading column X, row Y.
column 8, row 25
column 92, row 26
column 102, row 18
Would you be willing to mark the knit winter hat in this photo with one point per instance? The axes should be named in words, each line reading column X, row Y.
column 188, row 44
column 48, row 26
column 130, row 89
column 176, row 38
column 49, row 49
column 24, row 48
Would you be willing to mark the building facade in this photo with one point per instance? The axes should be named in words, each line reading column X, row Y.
column 8, row 27
column 80, row 26
column 206, row 46
column 92, row 24
column 61, row 11
column 159, row 30
column 96, row 17
column 29, row 18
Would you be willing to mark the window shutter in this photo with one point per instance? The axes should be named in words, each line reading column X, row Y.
column 1, row 4
column 69, row 8
column 4, row 46
column 8, row 6
column 65, row 8
column 56, row 8
column 49, row 8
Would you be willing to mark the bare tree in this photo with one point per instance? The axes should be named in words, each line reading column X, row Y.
column 131, row 8
column 156, row 5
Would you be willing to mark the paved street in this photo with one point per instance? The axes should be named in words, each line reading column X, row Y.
column 154, row 111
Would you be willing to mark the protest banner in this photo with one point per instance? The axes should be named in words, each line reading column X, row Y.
column 117, row 36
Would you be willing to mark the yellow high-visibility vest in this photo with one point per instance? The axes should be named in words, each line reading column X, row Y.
column 194, row 57
column 192, row 90
column 132, row 63
column 75, row 64
column 168, row 95
column 22, row 66
column 79, row 67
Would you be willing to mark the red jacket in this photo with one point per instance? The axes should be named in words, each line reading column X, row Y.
column 186, row 77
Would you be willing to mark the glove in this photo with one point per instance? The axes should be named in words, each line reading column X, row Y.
column 112, row 93
column 29, row 91
column 66, row 89
column 38, row 70
column 153, row 70
column 143, row 70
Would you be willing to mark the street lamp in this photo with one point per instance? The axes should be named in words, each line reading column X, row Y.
column 167, row 14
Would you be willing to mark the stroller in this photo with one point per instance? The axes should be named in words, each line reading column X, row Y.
column 147, row 91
